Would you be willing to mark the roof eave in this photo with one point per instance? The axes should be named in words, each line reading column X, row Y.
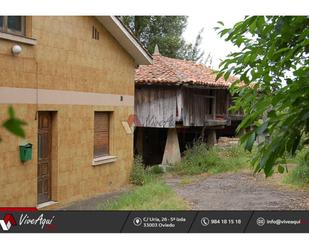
column 126, row 39
column 185, row 84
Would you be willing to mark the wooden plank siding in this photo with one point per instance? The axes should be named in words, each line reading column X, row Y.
column 221, row 102
column 233, row 115
column 197, row 106
column 163, row 106
column 156, row 107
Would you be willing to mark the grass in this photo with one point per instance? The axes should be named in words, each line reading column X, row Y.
column 150, row 193
column 153, row 195
column 156, row 169
column 200, row 159
column 299, row 176
column 186, row 180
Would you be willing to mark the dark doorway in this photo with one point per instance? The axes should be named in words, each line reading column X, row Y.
column 150, row 144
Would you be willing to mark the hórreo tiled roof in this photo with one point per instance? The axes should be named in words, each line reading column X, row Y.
column 165, row 70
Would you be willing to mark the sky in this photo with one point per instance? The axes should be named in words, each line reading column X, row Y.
column 211, row 42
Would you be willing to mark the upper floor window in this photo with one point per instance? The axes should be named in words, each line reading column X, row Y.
column 12, row 24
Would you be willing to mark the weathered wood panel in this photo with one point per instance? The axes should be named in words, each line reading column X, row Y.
column 202, row 105
column 156, row 106
column 221, row 101
column 162, row 107
column 179, row 105
column 233, row 115
column 196, row 107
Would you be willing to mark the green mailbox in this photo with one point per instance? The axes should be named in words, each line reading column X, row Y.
column 25, row 152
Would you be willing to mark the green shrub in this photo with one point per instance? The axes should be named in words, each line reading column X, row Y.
column 200, row 159
column 156, row 169
column 138, row 175
column 194, row 160
column 302, row 157
column 231, row 158
column 300, row 174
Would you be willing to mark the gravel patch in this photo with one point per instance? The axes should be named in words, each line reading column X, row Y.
column 237, row 191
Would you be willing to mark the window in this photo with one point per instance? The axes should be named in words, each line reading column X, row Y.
column 1, row 22
column 101, row 134
column 12, row 24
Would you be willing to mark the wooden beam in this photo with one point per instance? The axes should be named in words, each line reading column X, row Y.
column 205, row 96
column 213, row 107
column 216, row 122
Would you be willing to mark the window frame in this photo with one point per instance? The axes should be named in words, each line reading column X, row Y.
column 108, row 153
column 5, row 28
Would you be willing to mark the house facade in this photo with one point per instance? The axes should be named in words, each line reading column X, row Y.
column 71, row 79
column 176, row 103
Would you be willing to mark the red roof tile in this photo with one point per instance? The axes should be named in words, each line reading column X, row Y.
column 166, row 70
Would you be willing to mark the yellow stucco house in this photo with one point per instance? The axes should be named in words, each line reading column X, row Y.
column 72, row 80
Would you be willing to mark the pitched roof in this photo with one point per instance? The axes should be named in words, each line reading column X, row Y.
column 165, row 70
column 126, row 39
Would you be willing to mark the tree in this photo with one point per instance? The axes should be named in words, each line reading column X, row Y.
column 193, row 52
column 166, row 32
column 273, row 88
column 208, row 61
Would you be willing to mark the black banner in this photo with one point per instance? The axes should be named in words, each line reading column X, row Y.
column 34, row 221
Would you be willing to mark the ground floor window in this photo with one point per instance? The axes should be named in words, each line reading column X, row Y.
column 101, row 134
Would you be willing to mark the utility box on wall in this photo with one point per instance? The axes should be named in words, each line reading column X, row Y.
column 25, row 152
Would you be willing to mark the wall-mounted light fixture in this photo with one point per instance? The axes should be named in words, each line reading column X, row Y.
column 16, row 50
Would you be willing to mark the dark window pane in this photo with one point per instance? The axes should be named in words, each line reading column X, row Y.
column 14, row 23
column 1, row 22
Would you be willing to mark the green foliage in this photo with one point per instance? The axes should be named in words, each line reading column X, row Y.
column 196, row 160
column 300, row 175
column 280, row 169
column 13, row 124
column 272, row 65
column 200, row 159
column 154, row 195
column 138, row 174
column 156, row 169
column 166, row 32
column 302, row 157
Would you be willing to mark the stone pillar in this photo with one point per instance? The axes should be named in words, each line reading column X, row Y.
column 172, row 150
column 211, row 138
